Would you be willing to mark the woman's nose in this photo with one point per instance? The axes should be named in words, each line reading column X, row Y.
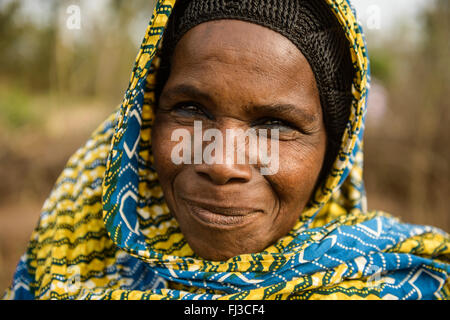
column 225, row 173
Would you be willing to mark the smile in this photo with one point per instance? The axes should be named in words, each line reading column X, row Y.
column 220, row 216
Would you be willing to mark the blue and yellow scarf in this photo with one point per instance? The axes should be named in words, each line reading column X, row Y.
column 105, row 231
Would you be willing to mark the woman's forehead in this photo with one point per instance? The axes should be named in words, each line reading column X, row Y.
column 240, row 41
column 243, row 51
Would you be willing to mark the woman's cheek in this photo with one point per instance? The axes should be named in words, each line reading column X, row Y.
column 162, row 146
column 298, row 170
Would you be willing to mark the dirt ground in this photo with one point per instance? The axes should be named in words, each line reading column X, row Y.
column 17, row 223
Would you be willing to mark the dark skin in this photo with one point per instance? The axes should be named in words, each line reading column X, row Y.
column 232, row 74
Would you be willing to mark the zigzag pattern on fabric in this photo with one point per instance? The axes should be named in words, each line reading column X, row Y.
column 105, row 231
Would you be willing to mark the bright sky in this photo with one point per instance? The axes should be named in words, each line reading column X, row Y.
column 390, row 9
column 376, row 16
column 389, row 12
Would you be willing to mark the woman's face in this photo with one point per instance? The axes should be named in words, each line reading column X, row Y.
column 234, row 75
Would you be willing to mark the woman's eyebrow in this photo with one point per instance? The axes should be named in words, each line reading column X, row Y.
column 186, row 90
column 284, row 110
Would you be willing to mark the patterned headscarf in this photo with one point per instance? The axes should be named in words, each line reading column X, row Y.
column 105, row 232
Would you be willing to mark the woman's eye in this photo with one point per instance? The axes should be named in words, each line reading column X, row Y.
column 188, row 109
column 277, row 124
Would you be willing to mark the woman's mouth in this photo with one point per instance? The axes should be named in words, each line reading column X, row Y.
column 218, row 216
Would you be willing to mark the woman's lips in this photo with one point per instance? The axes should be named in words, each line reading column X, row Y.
column 221, row 216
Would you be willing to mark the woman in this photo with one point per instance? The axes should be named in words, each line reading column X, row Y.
column 138, row 214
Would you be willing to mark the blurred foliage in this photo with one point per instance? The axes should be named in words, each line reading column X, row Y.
column 25, row 49
column 381, row 65
column 15, row 107
column 407, row 155
column 93, row 61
